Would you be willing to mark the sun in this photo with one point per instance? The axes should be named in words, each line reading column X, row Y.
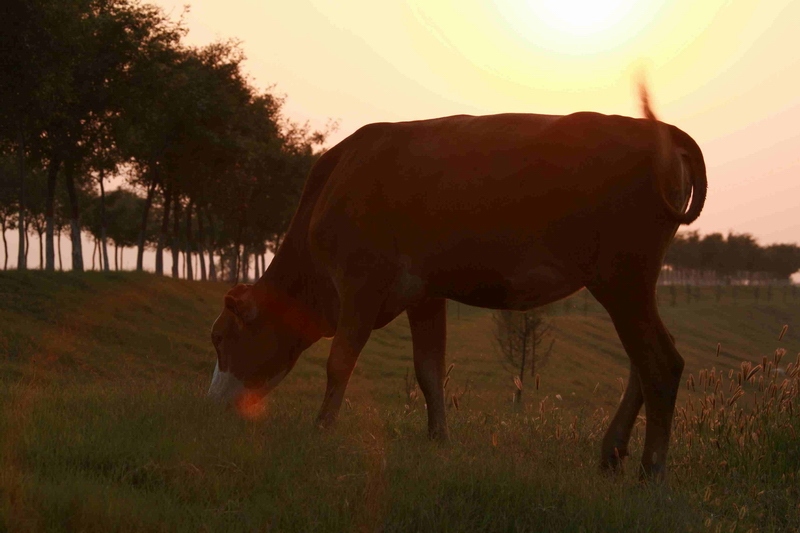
column 581, row 17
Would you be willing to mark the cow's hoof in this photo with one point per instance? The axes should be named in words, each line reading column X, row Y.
column 654, row 472
column 325, row 422
column 439, row 435
column 611, row 463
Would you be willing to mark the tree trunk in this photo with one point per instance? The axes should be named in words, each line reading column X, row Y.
column 213, row 274
column 236, row 270
column 22, row 258
column 264, row 262
column 189, row 270
column 121, row 251
column 103, row 243
column 5, row 247
column 60, row 263
column 116, row 257
column 176, row 234
column 77, row 248
column 143, row 228
column 41, row 249
column 245, row 264
column 237, row 267
column 162, row 235
column 212, row 268
column 201, row 242
column 49, row 210
column 94, row 251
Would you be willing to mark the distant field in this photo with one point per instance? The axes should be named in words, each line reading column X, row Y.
column 104, row 427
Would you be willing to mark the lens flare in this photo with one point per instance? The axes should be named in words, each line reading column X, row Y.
column 251, row 405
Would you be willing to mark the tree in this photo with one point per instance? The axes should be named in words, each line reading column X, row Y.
column 8, row 201
column 741, row 254
column 781, row 261
column 519, row 335
column 736, row 259
column 88, row 87
column 122, row 208
column 35, row 60
column 35, row 209
column 152, row 121
column 88, row 50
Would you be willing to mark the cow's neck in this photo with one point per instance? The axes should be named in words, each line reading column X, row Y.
column 293, row 274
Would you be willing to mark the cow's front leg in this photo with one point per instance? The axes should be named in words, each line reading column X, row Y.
column 428, row 321
column 355, row 325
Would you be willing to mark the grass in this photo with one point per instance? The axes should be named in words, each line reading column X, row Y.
column 104, row 427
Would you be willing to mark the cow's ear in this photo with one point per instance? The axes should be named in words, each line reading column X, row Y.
column 243, row 307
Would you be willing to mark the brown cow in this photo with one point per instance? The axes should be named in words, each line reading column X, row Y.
column 506, row 211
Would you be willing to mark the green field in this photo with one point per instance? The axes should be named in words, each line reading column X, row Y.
column 104, row 425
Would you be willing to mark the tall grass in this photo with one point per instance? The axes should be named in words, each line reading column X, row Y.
column 120, row 438
column 129, row 457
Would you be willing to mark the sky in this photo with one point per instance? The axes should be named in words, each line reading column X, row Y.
column 727, row 73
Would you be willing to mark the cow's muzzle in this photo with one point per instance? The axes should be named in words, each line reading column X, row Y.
column 225, row 387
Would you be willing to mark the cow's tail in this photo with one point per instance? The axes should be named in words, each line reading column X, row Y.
column 670, row 141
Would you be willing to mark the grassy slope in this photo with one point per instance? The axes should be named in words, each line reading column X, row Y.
column 103, row 424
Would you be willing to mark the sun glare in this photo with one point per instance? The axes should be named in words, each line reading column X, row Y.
column 581, row 17
column 251, row 406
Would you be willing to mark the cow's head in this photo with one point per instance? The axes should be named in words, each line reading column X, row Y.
column 257, row 342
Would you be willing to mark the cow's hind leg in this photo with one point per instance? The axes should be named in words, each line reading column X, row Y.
column 615, row 442
column 356, row 318
column 428, row 321
column 659, row 365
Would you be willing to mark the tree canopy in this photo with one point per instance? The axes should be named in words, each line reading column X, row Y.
column 735, row 258
column 91, row 89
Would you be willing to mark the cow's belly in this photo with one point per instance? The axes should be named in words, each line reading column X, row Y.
column 537, row 286
column 523, row 283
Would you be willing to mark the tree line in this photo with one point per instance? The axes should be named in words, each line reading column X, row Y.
column 735, row 259
column 94, row 89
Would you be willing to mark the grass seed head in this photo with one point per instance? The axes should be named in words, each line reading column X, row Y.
column 779, row 353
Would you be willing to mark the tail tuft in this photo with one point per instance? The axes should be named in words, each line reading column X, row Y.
column 644, row 96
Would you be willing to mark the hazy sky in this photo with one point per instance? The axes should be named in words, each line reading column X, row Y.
column 727, row 72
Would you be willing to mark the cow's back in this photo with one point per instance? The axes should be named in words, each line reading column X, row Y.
column 424, row 181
